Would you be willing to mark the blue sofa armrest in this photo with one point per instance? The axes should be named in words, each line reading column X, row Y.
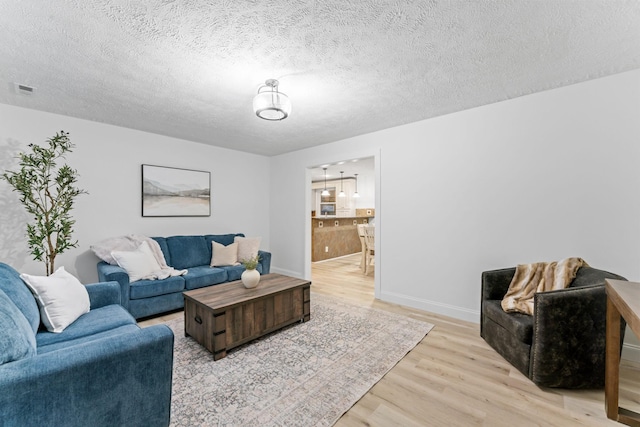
column 119, row 380
column 265, row 260
column 103, row 294
column 114, row 273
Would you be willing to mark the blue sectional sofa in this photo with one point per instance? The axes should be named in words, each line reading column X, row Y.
column 145, row 298
column 102, row 370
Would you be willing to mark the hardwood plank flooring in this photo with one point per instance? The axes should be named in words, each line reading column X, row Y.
column 454, row 378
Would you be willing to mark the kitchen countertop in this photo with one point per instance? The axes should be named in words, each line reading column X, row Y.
column 340, row 217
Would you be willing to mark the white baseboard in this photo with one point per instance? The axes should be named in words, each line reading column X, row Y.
column 291, row 273
column 334, row 258
column 432, row 306
column 629, row 351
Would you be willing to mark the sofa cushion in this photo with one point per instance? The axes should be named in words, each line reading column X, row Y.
column 17, row 339
column 152, row 288
column 144, row 307
column 518, row 324
column 233, row 272
column 61, row 298
column 97, row 320
column 223, row 239
column 162, row 241
column 19, row 293
column 188, row 251
column 199, row 277
column 88, row 338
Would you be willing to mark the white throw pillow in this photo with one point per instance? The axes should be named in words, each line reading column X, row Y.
column 247, row 247
column 224, row 255
column 139, row 263
column 61, row 298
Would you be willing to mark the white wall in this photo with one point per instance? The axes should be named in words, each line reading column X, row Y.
column 536, row 178
column 108, row 159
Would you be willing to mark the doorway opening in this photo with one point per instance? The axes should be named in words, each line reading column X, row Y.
column 342, row 206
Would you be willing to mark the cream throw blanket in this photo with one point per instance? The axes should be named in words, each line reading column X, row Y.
column 131, row 242
column 538, row 277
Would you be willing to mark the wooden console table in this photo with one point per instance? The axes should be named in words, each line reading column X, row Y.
column 623, row 300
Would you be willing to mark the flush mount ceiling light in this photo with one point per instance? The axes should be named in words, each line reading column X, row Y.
column 270, row 104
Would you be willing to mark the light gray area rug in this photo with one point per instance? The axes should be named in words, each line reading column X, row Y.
column 308, row 374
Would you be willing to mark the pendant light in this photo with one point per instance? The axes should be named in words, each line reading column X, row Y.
column 325, row 192
column 356, row 193
column 341, row 194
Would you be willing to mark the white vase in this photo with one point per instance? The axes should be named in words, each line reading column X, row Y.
column 250, row 278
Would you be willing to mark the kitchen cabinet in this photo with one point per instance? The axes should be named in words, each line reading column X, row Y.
column 333, row 205
column 345, row 206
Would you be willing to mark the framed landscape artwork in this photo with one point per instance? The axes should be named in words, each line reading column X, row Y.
column 170, row 191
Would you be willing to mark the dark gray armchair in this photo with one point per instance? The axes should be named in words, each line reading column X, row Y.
column 563, row 343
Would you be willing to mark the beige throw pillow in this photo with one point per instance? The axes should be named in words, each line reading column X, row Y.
column 247, row 247
column 61, row 298
column 222, row 256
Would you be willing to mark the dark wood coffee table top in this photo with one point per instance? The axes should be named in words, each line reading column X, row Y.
column 227, row 294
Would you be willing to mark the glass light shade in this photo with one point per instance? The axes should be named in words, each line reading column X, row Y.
column 325, row 192
column 356, row 195
column 341, row 194
column 269, row 104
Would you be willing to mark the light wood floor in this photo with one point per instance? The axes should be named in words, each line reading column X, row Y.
column 453, row 378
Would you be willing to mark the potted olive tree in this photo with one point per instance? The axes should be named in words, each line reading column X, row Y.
column 47, row 192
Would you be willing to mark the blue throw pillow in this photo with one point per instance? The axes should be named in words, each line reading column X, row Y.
column 17, row 339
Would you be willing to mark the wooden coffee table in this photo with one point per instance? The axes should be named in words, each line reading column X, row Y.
column 224, row 316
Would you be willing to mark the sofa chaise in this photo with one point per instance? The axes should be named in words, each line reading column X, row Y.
column 145, row 298
column 101, row 370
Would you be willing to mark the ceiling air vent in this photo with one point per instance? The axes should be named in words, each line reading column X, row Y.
column 24, row 89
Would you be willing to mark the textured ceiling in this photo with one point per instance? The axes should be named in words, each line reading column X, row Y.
column 190, row 68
